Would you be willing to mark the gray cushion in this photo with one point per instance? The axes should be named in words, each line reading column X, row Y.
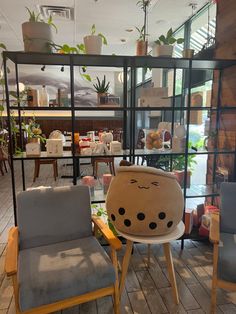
column 228, row 207
column 227, row 257
column 52, row 215
column 58, row 271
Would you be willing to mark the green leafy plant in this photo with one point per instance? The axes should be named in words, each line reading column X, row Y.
column 178, row 162
column 101, row 87
column 33, row 17
column 93, row 33
column 169, row 39
column 33, row 130
column 141, row 32
column 14, row 131
column 78, row 49
column 101, row 212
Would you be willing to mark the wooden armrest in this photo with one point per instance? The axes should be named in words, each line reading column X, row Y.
column 12, row 252
column 107, row 233
column 215, row 228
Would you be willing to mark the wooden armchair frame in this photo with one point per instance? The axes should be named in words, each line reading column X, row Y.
column 11, row 266
column 216, row 282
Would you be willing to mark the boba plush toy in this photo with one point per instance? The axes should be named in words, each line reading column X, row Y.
column 144, row 201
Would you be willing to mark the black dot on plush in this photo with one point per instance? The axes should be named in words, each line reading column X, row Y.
column 141, row 216
column 162, row 216
column 121, row 211
column 127, row 222
column 170, row 223
column 113, row 217
column 152, row 225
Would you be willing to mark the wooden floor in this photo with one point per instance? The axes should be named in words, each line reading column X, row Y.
column 147, row 290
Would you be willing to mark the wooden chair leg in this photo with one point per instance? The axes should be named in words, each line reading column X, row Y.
column 1, row 168
column 171, row 271
column 110, row 167
column 113, row 167
column 36, row 169
column 214, row 279
column 125, row 264
column 116, row 286
column 5, row 166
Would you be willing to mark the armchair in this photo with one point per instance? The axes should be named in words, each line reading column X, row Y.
column 222, row 235
column 52, row 256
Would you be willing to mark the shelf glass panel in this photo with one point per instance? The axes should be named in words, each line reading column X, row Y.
column 201, row 190
column 68, row 154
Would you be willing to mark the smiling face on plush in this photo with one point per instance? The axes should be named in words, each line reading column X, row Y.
column 144, row 201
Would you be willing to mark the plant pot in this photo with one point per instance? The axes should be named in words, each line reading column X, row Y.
column 99, row 95
column 141, row 48
column 33, row 140
column 164, row 50
column 93, row 45
column 188, row 53
column 37, row 36
column 180, row 177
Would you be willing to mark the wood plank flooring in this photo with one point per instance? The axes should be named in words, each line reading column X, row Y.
column 147, row 290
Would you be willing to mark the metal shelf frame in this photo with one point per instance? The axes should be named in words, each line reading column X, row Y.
column 129, row 65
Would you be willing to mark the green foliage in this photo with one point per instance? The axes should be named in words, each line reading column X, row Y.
column 101, row 87
column 141, row 33
column 178, row 162
column 93, row 32
column 33, row 17
column 143, row 4
column 169, row 39
column 101, row 212
column 33, row 130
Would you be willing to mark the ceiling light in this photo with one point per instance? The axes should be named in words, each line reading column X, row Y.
column 129, row 30
column 123, row 40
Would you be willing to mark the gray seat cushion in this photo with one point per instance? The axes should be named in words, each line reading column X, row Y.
column 227, row 208
column 58, row 271
column 51, row 215
column 227, row 257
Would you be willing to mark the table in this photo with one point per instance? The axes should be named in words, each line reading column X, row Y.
column 165, row 241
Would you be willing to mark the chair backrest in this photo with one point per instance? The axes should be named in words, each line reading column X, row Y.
column 52, row 215
column 228, row 207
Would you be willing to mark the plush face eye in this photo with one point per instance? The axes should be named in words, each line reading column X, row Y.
column 133, row 181
column 156, row 183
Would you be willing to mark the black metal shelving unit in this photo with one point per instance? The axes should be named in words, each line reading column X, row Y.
column 129, row 65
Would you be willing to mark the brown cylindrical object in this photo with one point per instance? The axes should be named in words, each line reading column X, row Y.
column 141, row 48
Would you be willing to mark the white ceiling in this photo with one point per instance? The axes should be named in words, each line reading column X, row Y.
column 112, row 18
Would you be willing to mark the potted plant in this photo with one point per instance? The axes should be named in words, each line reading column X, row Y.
column 101, row 87
column 93, row 43
column 141, row 43
column 164, row 45
column 37, row 34
column 178, row 167
column 33, row 131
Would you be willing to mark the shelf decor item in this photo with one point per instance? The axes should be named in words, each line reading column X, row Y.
column 93, row 43
column 144, row 201
column 142, row 43
column 164, row 44
column 101, row 87
column 188, row 53
column 54, row 147
column 37, row 34
column 154, row 140
column 33, row 149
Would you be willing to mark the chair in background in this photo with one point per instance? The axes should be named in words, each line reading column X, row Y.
column 4, row 155
column 39, row 162
column 108, row 160
column 223, row 237
column 52, row 256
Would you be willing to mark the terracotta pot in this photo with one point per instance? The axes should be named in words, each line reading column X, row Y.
column 141, row 48
column 93, row 45
column 164, row 50
column 188, row 53
column 180, row 177
column 33, row 140
column 37, row 36
column 99, row 95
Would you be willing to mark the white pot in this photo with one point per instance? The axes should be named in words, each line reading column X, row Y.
column 36, row 36
column 93, row 45
column 164, row 50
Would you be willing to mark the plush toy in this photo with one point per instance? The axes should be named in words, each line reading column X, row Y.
column 154, row 140
column 144, row 201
